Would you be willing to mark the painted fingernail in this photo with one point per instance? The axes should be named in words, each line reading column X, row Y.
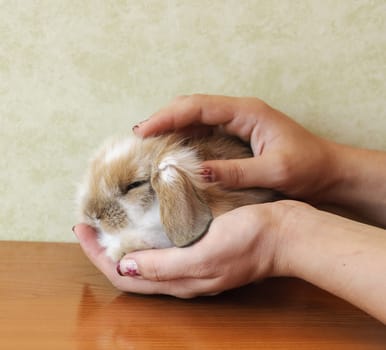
column 119, row 270
column 207, row 175
column 136, row 126
column 73, row 228
column 128, row 267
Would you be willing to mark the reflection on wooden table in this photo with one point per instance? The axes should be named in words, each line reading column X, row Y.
column 52, row 298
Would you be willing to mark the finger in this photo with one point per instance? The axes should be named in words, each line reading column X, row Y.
column 200, row 109
column 165, row 264
column 196, row 131
column 181, row 288
column 244, row 173
column 184, row 287
column 88, row 241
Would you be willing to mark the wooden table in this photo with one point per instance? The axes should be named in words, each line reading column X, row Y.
column 51, row 297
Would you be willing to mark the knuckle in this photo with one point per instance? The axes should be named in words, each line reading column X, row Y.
column 203, row 270
column 180, row 98
column 196, row 100
column 196, row 97
column 260, row 105
column 236, row 175
column 253, row 102
column 190, row 102
column 193, row 98
column 284, row 170
column 153, row 272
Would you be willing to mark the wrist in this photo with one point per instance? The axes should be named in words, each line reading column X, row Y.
column 355, row 183
column 336, row 173
column 294, row 220
column 331, row 173
column 301, row 240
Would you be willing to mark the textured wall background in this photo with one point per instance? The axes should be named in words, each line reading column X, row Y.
column 75, row 72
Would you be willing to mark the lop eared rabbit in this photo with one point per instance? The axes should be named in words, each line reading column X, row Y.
column 150, row 193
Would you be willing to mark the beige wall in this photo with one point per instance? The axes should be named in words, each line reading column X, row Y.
column 75, row 72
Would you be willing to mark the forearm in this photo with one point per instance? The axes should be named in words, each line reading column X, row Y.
column 341, row 256
column 358, row 182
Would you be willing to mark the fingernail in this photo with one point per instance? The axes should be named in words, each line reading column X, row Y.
column 119, row 270
column 128, row 267
column 207, row 175
column 136, row 126
column 73, row 228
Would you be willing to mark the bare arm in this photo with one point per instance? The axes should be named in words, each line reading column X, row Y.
column 359, row 182
column 341, row 256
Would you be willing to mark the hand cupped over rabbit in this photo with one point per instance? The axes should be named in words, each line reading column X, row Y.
column 149, row 193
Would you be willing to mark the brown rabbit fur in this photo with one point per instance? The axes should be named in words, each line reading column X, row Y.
column 149, row 193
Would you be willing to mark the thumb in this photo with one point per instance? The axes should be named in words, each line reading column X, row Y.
column 159, row 264
column 241, row 173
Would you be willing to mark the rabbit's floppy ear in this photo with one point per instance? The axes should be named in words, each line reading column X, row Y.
column 184, row 214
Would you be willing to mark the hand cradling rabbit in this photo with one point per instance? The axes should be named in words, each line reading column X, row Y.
column 149, row 193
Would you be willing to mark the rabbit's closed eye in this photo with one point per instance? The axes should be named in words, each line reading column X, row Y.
column 127, row 188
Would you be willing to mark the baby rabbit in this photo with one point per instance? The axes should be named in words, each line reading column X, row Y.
column 149, row 193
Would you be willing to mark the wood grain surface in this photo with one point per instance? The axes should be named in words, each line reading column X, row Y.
column 51, row 297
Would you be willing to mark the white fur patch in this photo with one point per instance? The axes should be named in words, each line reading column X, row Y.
column 119, row 149
column 145, row 231
column 185, row 160
column 109, row 240
column 167, row 169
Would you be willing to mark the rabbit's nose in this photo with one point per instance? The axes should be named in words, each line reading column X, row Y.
column 114, row 216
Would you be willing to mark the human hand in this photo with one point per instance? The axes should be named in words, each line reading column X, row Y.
column 226, row 257
column 287, row 157
column 284, row 238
